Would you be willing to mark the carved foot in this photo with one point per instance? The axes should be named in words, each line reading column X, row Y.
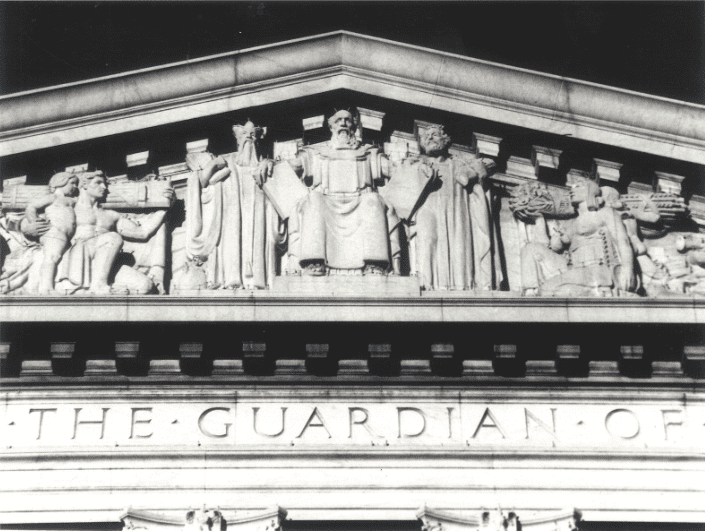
column 531, row 292
column 372, row 268
column 315, row 269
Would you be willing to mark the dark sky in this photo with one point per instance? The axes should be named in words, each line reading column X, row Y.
column 652, row 47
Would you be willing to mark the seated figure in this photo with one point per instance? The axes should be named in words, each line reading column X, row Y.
column 341, row 226
column 590, row 254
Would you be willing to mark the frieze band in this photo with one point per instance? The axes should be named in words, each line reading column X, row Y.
column 421, row 214
column 377, row 425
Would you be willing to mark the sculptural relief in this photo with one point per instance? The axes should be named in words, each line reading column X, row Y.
column 58, row 208
column 589, row 254
column 452, row 242
column 342, row 225
column 88, row 264
column 423, row 210
column 232, row 229
column 98, row 239
column 653, row 223
column 21, row 253
column 204, row 520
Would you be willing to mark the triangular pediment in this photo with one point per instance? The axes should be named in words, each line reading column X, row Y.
column 341, row 60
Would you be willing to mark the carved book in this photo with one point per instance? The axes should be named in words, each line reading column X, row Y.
column 405, row 191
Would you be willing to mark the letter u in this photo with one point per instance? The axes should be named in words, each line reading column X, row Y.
column 255, row 410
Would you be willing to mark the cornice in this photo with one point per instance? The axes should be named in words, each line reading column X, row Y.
column 274, row 389
column 433, row 307
column 313, row 65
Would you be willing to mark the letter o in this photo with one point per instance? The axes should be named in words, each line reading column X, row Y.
column 208, row 433
column 624, row 426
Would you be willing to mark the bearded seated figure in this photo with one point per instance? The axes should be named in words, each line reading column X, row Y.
column 597, row 258
column 341, row 226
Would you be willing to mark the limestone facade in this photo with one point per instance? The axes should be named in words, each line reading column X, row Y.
column 345, row 281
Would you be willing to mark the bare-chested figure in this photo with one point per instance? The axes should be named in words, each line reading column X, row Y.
column 98, row 239
column 57, row 208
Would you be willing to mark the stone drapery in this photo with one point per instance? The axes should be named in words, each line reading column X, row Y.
column 233, row 229
column 343, row 221
column 452, row 231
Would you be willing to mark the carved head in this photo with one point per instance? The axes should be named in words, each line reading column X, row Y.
column 434, row 141
column 94, row 184
column 66, row 182
column 611, row 197
column 342, row 127
column 248, row 133
column 247, row 137
column 587, row 191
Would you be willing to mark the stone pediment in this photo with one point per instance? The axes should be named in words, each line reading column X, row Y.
column 397, row 216
column 342, row 60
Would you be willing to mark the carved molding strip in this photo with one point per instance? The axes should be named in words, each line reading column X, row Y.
column 264, row 306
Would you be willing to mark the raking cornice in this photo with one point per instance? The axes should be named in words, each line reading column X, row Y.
column 341, row 60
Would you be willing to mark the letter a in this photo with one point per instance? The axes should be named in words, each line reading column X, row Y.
column 320, row 424
column 495, row 424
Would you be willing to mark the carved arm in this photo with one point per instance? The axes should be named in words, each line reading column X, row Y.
column 33, row 229
column 148, row 226
column 627, row 280
column 34, row 207
column 144, row 230
column 209, row 169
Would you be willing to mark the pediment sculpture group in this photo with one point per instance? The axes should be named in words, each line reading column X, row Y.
column 338, row 208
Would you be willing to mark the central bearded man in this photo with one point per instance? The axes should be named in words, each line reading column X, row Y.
column 342, row 224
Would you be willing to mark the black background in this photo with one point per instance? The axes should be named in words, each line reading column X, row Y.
column 652, row 47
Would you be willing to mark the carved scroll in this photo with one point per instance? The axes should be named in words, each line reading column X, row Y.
column 498, row 520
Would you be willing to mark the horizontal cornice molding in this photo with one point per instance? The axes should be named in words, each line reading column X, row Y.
column 277, row 307
column 342, row 60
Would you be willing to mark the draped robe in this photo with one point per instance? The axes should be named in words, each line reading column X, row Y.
column 233, row 229
column 453, row 230
column 343, row 221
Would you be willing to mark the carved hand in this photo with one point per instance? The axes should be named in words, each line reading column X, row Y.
column 34, row 229
column 647, row 211
column 479, row 167
column 264, row 171
column 215, row 171
column 558, row 240
column 428, row 172
column 169, row 194
column 218, row 163
column 626, row 280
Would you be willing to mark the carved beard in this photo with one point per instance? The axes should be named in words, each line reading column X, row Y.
column 345, row 138
column 434, row 149
column 247, row 154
